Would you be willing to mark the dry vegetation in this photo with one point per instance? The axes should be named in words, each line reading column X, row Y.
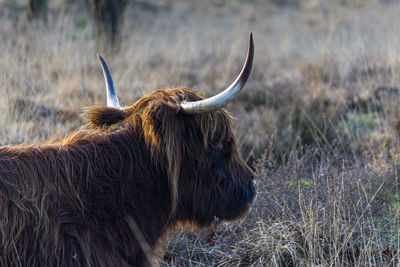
column 319, row 119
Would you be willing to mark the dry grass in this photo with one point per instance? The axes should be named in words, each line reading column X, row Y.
column 318, row 119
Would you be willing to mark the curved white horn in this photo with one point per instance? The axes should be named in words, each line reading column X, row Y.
column 218, row 101
column 112, row 98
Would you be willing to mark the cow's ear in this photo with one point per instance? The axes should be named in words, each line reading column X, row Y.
column 104, row 116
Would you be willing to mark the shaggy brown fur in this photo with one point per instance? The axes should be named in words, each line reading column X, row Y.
column 105, row 196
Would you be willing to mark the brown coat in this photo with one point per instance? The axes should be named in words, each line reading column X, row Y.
column 107, row 195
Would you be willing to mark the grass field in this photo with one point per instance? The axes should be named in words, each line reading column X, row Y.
column 319, row 120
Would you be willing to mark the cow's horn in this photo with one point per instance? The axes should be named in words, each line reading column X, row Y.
column 112, row 98
column 218, row 101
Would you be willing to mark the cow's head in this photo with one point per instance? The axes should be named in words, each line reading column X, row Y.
column 192, row 138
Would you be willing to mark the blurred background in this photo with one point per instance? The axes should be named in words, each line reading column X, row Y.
column 318, row 121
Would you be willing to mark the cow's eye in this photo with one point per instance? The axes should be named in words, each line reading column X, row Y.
column 228, row 147
column 216, row 155
column 229, row 143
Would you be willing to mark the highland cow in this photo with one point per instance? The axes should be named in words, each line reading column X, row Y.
column 107, row 195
